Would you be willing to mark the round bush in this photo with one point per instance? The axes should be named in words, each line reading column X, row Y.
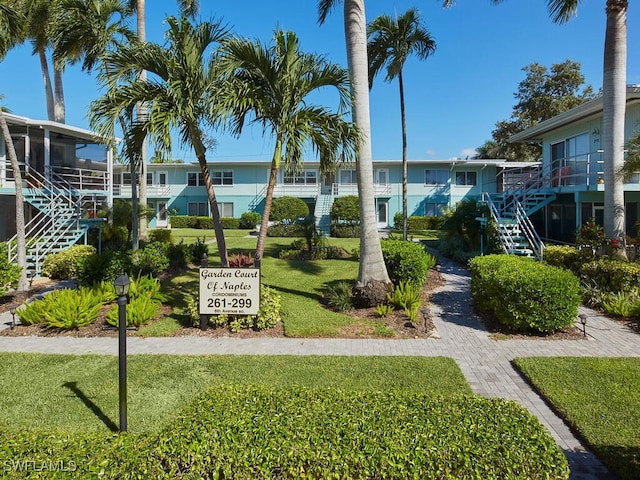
column 64, row 265
column 288, row 208
column 249, row 220
column 346, row 209
column 407, row 261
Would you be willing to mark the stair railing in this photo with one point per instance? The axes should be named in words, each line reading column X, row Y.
column 529, row 231
column 507, row 242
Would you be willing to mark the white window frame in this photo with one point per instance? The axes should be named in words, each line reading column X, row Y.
column 198, row 207
column 221, row 178
column 352, row 173
column 438, row 172
column 469, row 178
column 225, row 207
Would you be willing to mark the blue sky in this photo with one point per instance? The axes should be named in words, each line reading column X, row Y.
column 454, row 98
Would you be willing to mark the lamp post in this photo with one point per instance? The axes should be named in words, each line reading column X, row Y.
column 12, row 309
column 583, row 321
column 122, row 289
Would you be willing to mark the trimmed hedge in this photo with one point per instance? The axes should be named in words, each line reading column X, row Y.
column 407, row 261
column 269, row 432
column 203, row 223
column 524, row 294
column 345, row 231
column 288, row 208
column 612, row 275
column 64, row 265
column 249, row 220
column 346, row 209
column 286, row 230
column 563, row 256
column 415, row 222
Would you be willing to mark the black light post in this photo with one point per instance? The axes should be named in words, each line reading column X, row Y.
column 583, row 321
column 122, row 289
column 12, row 309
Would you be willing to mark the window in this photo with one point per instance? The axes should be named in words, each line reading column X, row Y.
column 126, row 179
column 198, row 209
column 434, row 209
column 195, row 179
column 222, row 177
column 116, row 178
column 149, row 178
column 436, row 177
column 225, row 209
column 308, row 177
column 466, row 178
column 348, row 177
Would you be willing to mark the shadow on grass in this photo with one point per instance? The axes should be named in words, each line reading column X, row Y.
column 299, row 293
column 95, row 409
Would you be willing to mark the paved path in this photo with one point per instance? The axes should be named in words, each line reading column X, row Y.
column 485, row 362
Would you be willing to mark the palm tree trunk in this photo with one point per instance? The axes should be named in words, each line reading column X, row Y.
column 58, row 96
column 372, row 268
column 614, row 103
column 48, row 89
column 264, row 224
column 20, row 226
column 141, row 115
column 405, row 218
column 200, row 150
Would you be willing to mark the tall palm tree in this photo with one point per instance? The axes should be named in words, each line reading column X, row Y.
column 272, row 84
column 391, row 41
column 373, row 278
column 614, row 102
column 178, row 93
column 11, row 23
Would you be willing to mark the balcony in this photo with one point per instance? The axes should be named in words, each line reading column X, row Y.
column 153, row 191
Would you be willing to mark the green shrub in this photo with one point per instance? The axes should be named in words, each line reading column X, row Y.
column 161, row 235
column 288, row 209
column 150, row 260
column 179, row 255
column 612, row 275
column 198, row 250
column 269, row 315
column 230, row 223
column 190, row 221
column 338, row 296
column 286, row 230
column 9, row 272
column 384, row 310
column 622, row 304
column 140, row 311
column 339, row 230
column 106, row 266
column 563, row 256
column 407, row 261
column 249, row 220
column 523, row 294
column 31, row 313
column 64, row 265
column 346, row 209
column 408, row 297
column 250, row 431
column 415, row 223
column 71, row 309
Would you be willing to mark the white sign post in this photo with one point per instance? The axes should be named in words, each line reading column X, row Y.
column 234, row 291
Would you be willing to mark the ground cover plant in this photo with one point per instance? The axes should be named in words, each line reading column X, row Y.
column 600, row 399
column 266, row 417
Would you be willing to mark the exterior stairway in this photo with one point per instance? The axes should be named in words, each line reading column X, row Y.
column 57, row 224
column 322, row 212
column 511, row 209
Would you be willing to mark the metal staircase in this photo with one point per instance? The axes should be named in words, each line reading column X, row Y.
column 56, row 226
column 322, row 212
column 511, row 209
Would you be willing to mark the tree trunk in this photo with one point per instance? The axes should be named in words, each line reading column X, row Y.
column 264, row 224
column 58, row 96
column 614, row 103
column 405, row 218
column 48, row 89
column 21, row 248
column 372, row 268
column 141, row 116
column 200, row 151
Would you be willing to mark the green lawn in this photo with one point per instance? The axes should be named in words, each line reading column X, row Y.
column 299, row 282
column 600, row 399
column 79, row 393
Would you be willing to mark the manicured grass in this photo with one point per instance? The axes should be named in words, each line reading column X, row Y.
column 79, row 393
column 600, row 399
column 190, row 235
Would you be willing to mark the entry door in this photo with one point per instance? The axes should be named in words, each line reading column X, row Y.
column 161, row 215
column 383, row 214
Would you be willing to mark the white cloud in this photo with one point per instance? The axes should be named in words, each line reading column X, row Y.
column 468, row 152
column 430, row 153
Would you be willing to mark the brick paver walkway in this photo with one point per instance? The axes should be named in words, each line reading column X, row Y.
column 486, row 363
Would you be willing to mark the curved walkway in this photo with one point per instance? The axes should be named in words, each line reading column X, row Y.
column 486, row 363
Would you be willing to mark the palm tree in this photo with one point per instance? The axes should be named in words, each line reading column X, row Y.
column 614, row 103
column 373, row 279
column 179, row 95
column 11, row 23
column 391, row 41
column 272, row 84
